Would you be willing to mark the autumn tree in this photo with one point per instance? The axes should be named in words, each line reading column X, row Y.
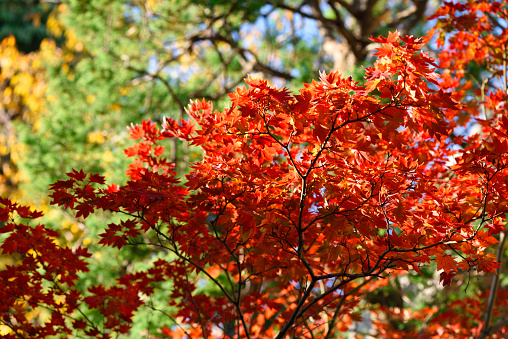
column 301, row 205
column 22, row 29
column 472, row 44
column 475, row 60
column 110, row 63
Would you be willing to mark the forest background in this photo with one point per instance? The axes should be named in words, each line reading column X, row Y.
column 75, row 73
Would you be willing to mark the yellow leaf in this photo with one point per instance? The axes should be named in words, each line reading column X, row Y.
column 74, row 228
column 4, row 330
column 108, row 156
column 96, row 137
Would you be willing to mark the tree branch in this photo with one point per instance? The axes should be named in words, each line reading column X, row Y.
column 487, row 329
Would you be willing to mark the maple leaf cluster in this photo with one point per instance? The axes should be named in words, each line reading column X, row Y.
column 298, row 206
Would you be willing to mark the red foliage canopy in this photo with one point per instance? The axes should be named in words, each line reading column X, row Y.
column 301, row 202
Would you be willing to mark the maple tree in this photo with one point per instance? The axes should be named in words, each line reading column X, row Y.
column 113, row 62
column 475, row 59
column 100, row 64
column 301, row 205
column 472, row 38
